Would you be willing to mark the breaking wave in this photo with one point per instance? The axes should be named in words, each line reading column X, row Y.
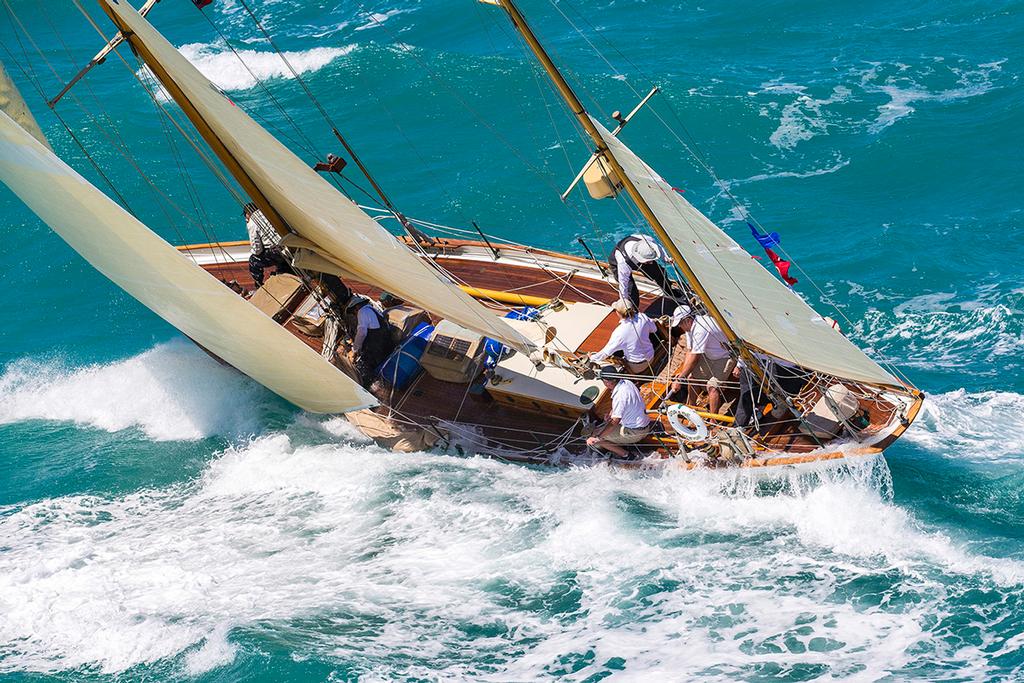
column 224, row 68
column 426, row 566
column 986, row 426
column 171, row 392
column 940, row 330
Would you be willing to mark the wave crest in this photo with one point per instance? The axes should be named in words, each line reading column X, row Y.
column 171, row 392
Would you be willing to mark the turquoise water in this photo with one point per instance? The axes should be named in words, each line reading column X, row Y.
column 164, row 518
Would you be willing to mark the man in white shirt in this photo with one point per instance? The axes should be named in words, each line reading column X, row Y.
column 640, row 252
column 631, row 338
column 708, row 359
column 265, row 244
column 628, row 421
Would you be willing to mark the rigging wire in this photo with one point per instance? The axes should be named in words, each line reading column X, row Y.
column 694, row 150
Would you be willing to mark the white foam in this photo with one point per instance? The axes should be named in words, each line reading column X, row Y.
column 987, row 426
column 230, row 71
column 904, row 92
column 171, row 392
column 804, row 118
column 377, row 19
column 943, row 330
column 839, row 164
column 224, row 69
column 398, row 555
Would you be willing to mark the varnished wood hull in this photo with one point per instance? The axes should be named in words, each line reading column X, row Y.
column 516, row 435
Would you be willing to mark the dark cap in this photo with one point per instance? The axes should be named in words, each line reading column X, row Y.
column 609, row 372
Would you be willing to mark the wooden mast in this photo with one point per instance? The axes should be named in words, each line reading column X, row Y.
column 197, row 120
column 567, row 93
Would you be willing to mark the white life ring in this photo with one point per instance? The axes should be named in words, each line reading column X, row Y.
column 677, row 412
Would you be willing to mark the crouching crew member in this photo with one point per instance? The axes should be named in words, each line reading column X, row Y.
column 708, row 360
column 628, row 422
column 371, row 338
column 640, row 252
column 265, row 244
column 631, row 339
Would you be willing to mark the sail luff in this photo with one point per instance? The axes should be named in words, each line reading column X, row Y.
column 299, row 198
column 172, row 286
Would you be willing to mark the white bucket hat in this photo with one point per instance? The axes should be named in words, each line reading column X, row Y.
column 645, row 250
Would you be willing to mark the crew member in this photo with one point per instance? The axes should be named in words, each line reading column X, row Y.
column 371, row 339
column 708, row 360
column 640, row 252
column 265, row 244
column 628, row 422
column 631, row 339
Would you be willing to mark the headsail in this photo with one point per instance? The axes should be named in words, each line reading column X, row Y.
column 292, row 194
column 155, row 273
column 757, row 306
column 13, row 104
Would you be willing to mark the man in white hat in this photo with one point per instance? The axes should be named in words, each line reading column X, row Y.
column 708, row 359
column 631, row 338
column 628, row 421
column 640, row 252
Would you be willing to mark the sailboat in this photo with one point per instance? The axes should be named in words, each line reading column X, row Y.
column 491, row 336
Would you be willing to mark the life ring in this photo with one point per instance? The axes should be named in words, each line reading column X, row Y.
column 677, row 412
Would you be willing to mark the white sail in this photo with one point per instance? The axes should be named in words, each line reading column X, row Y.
column 155, row 273
column 758, row 307
column 13, row 104
column 302, row 198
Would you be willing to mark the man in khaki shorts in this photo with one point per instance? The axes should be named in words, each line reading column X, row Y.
column 708, row 360
column 628, row 421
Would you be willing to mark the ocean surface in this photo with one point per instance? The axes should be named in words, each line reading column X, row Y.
column 164, row 518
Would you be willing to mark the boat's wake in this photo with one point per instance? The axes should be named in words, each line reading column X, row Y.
column 427, row 565
column 424, row 565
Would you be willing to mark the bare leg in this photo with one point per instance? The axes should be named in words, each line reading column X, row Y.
column 714, row 399
column 610, row 447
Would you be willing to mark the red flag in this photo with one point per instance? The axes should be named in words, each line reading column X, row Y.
column 202, row 3
column 782, row 266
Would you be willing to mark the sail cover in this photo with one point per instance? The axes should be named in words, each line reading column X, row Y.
column 305, row 200
column 155, row 273
column 759, row 308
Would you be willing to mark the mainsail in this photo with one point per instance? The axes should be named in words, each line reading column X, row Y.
column 293, row 195
column 155, row 273
column 760, row 310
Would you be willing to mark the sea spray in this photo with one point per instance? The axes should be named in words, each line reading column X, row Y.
column 440, row 560
column 174, row 391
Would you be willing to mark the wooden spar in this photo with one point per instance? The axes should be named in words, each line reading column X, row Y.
column 197, row 120
column 504, row 297
column 567, row 93
column 99, row 58
column 618, row 129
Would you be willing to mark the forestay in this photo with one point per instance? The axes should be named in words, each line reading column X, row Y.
column 155, row 273
column 302, row 198
column 759, row 308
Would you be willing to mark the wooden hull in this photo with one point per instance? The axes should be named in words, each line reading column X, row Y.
column 477, row 424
